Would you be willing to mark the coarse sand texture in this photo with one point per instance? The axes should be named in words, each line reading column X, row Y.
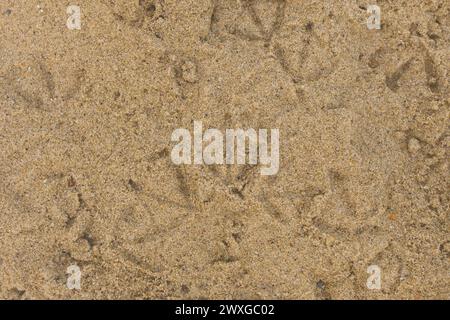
column 92, row 91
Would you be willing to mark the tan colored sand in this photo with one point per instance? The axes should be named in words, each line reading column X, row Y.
column 86, row 176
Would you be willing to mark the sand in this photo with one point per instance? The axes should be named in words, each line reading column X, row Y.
column 87, row 178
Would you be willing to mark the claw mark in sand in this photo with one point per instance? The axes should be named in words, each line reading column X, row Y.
column 431, row 72
column 48, row 79
column 267, row 36
column 392, row 80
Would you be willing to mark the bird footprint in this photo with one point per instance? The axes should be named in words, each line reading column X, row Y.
column 37, row 86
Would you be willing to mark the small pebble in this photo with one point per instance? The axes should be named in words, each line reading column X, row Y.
column 7, row 12
column 392, row 216
column 434, row 106
column 320, row 284
column 413, row 145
